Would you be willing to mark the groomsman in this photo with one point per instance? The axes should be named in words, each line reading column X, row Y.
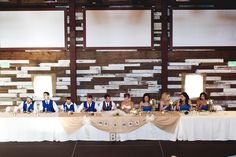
column 89, row 105
column 107, row 104
column 47, row 105
column 69, row 106
column 28, row 105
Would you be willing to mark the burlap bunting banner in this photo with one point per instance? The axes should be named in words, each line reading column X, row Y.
column 120, row 124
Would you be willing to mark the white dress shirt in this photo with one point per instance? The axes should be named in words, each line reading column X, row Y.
column 47, row 101
column 75, row 106
column 81, row 107
column 112, row 103
column 22, row 104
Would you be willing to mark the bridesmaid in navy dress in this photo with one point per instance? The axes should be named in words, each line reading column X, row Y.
column 165, row 102
column 145, row 105
column 202, row 102
column 184, row 103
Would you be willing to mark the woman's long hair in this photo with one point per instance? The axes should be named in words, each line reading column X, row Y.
column 205, row 95
column 165, row 95
column 186, row 97
column 144, row 95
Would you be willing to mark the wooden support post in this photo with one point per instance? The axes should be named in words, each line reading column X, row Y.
column 72, row 49
column 164, row 45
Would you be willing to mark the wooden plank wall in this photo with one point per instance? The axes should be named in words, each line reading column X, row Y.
column 220, row 79
column 118, row 72
column 136, row 72
column 16, row 82
column 98, row 73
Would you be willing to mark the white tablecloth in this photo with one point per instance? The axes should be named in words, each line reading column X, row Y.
column 208, row 126
column 203, row 126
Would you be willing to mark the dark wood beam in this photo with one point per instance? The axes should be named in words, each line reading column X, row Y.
column 72, row 49
column 164, row 45
column 203, row 4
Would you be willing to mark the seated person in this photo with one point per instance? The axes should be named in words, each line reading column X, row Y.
column 184, row 103
column 165, row 102
column 107, row 104
column 127, row 105
column 69, row 106
column 89, row 105
column 28, row 105
column 145, row 105
column 202, row 102
column 47, row 105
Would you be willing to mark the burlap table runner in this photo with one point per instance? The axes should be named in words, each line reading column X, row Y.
column 167, row 121
column 120, row 124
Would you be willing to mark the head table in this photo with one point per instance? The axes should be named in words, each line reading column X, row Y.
column 117, row 126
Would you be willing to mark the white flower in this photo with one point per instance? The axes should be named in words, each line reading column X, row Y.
column 8, row 109
column 150, row 118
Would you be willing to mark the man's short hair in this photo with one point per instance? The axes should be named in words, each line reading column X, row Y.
column 68, row 98
column 106, row 95
column 47, row 93
column 89, row 96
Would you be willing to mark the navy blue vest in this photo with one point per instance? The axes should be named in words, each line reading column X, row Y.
column 30, row 108
column 90, row 108
column 67, row 109
column 105, row 107
column 48, row 107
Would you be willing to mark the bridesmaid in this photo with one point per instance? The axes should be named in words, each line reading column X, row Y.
column 184, row 103
column 202, row 102
column 145, row 104
column 165, row 102
column 127, row 105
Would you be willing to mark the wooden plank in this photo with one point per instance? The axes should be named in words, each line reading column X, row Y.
column 47, row 55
